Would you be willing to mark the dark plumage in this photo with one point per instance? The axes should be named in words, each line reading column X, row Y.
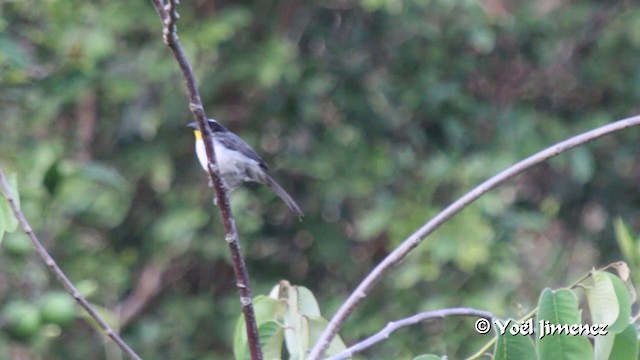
column 238, row 162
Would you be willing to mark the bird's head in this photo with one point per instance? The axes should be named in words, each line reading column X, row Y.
column 213, row 125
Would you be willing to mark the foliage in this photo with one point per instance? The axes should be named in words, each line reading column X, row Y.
column 289, row 315
column 373, row 115
column 559, row 331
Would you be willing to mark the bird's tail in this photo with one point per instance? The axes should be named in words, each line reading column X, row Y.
column 284, row 196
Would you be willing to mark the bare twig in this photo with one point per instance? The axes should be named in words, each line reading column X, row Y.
column 416, row 238
column 395, row 325
column 57, row 271
column 169, row 16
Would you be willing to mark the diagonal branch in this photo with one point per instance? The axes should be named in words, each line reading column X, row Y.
column 169, row 16
column 416, row 238
column 395, row 325
column 57, row 271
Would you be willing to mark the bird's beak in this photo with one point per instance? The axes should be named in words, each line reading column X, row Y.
column 196, row 131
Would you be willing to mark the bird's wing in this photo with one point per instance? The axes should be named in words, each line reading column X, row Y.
column 233, row 141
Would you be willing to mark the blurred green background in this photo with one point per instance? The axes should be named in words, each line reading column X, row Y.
column 374, row 115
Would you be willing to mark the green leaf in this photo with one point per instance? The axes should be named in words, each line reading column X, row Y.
column 621, row 346
column 624, row 303
column 561, row 307
column 514, row 347
column 301, row 319
column 602, row 299
column 296, row 329
column 271, row 338
column 266, row 309
column 624, row 273
column 625, row 346
column 304, row 325
column 427, row 357
column 10, row 223
column 17, row 244
column 2, row 223
column 603, row 346
column 307, row 303
column 53, row 178
column 316, row 327
column 609, row 301
column 625, row 240
column 240, row 342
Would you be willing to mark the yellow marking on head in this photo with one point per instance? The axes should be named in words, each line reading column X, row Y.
column 197, row 134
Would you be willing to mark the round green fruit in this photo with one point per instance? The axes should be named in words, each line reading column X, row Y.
column 17, row 244
column 22, row 319
column 58, row 308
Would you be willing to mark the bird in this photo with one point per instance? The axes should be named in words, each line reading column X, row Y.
column 238, row 162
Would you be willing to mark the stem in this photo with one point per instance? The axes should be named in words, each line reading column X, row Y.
column 169, row 16
column 397, row 255
column 57, row 271
column 395, row 325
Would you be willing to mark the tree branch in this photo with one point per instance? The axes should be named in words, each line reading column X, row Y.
column 416, row 238
column 169, row 16
column 57, row 271
column 395, row 325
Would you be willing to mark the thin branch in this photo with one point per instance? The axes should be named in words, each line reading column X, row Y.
column 395, row 325
column 416, row 238
column 169, row 16
column 57, row 271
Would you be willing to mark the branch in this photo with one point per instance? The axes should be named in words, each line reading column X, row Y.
column 169, row 16
column 416, row 238
column 57, row 271
column 395, row 325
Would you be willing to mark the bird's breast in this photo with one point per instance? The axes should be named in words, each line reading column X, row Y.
column 235, row 168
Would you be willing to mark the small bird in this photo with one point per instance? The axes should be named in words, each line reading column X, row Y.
column 238, row 162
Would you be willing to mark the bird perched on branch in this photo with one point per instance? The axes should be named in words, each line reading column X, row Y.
column 238, row 162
